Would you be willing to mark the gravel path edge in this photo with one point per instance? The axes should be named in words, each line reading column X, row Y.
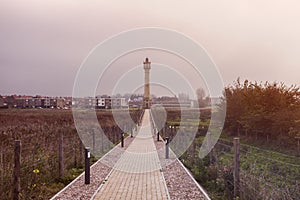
column 197, row 184
column 98, row 163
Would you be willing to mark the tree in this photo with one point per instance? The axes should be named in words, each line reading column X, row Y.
column 183, row 97
column 202, row 100
column 262, row 109
column 200, row 94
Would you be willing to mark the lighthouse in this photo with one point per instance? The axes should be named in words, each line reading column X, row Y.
column 147, row 100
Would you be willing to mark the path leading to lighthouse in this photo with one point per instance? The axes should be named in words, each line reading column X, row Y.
column 137, row 174
column 137, row 171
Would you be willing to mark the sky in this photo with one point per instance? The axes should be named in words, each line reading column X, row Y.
column 43, row 43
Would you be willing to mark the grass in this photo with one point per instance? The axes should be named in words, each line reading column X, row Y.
column 39, row 130
column 268, row 170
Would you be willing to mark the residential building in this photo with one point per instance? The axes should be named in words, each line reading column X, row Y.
column 101, row 103
column 118, row 103
column 2, row 103
column 60, row 103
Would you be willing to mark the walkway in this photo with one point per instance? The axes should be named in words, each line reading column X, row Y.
column 137, row 174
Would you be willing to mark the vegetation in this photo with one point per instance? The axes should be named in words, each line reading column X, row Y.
column 263, row 112
column 266, row 117
column 264, row 174
column 39, row 130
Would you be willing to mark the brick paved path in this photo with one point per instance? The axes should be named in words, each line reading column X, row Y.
column 137, row 174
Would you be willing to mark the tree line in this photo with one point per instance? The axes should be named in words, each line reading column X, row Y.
column 266, row 110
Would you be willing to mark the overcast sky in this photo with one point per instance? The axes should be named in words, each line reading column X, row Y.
column 43, row 43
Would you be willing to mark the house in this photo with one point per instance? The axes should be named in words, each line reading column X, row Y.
column 60, row 103
column 136, row 102
column 30, row 103
column 118, row 103
column 37, row 102
column 24, row 102
column 53, row 103
column 68, row 102
column 108, row 103
column 45, row 102
column 20, row 103
column 101, row 103
column 90, row 102
column 10, row 101
column 2, row 103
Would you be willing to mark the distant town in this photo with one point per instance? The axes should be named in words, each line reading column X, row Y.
column 98, row 102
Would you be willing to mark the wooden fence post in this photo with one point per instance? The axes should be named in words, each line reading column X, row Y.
column 193, row 151
column 102, row 142
column 80, row 151
column 94, row 141
column 1, row 165
column 60, row 156
column 236, row 173
column 17, row 180
column 115, row 134
column 209, row 150
column 75, row 154
column 298, row 145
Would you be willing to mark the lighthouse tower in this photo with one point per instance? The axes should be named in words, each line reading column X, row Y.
column 147, row 100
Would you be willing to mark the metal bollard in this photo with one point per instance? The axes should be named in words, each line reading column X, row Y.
column 87, row 165
column 122, row 139
column 167, row 148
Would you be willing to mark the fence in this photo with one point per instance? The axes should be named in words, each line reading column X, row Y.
column 51, row 152
column 232, row 169
column 48, row 161
column 238, row 170
column 37, row 165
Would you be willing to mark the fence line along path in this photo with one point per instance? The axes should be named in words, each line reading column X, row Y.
column 137, row 174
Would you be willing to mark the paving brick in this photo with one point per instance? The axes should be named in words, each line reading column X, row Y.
column 137, row 175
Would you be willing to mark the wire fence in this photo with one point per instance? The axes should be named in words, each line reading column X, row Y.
column 262, row 174
column 45, row 168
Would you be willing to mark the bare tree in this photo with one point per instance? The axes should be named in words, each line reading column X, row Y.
column 200, row 92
